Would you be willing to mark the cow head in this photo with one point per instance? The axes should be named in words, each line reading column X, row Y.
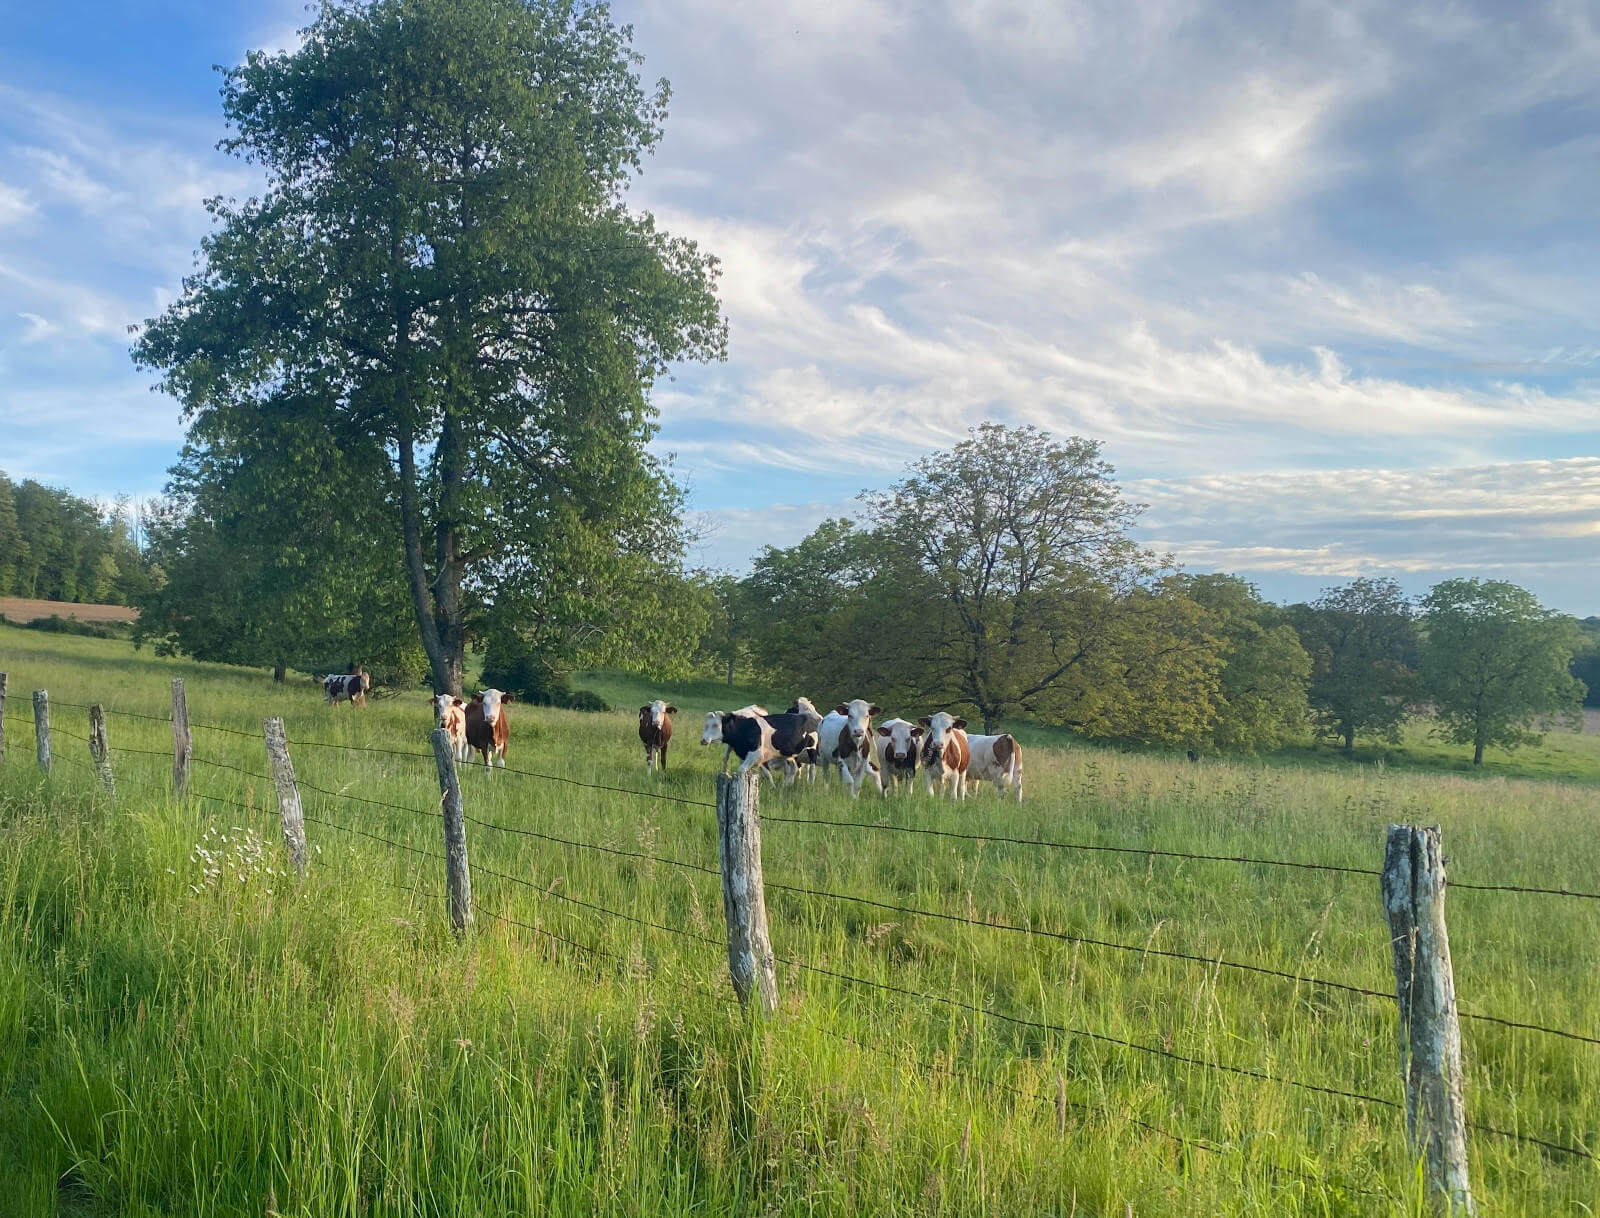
column 492, row 700
column 803, row 706
column 938, row 727
column 858, row 721
column 441, row 704
column 900, row 741
column 655, row 713
column 713, row 732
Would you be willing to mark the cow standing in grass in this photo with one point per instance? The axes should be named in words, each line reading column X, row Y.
column 998, row 759
column 487, row 729
column 899, row 742
column 348, row 687
column 451, row 714
column 945, row 753
column 844, row 739
column 655, row 732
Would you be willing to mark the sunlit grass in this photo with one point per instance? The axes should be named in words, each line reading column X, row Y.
column 173, row 1043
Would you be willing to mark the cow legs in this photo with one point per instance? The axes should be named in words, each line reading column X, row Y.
column 663, row 758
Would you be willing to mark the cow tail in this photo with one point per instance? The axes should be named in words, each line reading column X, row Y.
column 1016, row 768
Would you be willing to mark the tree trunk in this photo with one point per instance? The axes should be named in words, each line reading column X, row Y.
column 445, row 667
column 280, row 671
column 730, row 669
column 1477, row 752
column 1349, row 742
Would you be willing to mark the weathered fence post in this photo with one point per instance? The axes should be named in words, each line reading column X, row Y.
column 41, row 728
column 455, row 831
column 100, row 748
column 1430, row 1035
column 182, row 740
column 289, row 810
column 744, row 899
column 3, row 679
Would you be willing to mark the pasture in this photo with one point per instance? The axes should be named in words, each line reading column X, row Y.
column 186, row 1030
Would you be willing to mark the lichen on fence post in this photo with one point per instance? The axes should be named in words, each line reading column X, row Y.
column 41, row 728
column 283, row 780
column 182, row 740
column 100, row 748
column 455, row 831
column 1430, row 1033
column 744, row 902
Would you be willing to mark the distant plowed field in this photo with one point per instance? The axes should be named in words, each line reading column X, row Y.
column 21, row 609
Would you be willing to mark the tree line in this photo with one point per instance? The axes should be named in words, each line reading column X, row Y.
column 1000, row 577
column 56, row 546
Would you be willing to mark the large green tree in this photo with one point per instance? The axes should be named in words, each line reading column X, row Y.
column 1496, row 664
column 442, row 265
column 1362, row 640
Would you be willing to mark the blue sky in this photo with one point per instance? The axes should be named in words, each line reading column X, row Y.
column 1323, row 278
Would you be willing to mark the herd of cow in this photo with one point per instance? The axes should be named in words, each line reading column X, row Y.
column 800, row 742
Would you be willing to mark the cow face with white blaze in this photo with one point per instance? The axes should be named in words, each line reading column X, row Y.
column 450, row 713
column 945, row 753
column 899, row 743
column 487, row 728
column 655, row 731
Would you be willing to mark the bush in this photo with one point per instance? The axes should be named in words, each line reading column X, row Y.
column 588, row 700
column 56, row 624
column 525, row 675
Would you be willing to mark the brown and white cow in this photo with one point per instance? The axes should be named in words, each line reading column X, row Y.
column 655, row 731
column 487, row 730
column 945, row 753
column 450, row 713
column 348, row 687
column 844, row 739
column 899, row 741
column 998, row 759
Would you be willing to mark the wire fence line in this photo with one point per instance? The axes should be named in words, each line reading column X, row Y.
column 801, row 965
column 874, row 826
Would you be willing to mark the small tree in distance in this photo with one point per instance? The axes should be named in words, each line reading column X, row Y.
column 1496, row 663
column 1360, row 638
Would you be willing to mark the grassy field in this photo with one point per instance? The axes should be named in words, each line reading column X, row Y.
column 197, row 1033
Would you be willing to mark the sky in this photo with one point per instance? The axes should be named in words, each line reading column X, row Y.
column 1323, row 278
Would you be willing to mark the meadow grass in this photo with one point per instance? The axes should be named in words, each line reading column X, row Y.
column 186, row 1033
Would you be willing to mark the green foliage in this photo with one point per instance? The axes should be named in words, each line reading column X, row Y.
column 56, row 624
column 514, row 668
column 444, row 268
column 589, row 701
column 1497, row 664
column 1261, row 702
column 56, row 546
column 1586, row 662
column 1362, row 641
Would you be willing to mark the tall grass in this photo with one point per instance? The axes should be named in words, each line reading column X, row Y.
column 177, row 1040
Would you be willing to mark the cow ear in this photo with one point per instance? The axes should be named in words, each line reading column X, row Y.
column 959, row 723
column 874, row 709
column 645, row 709
column 885, row 731
column 916, row 732
column 458, row 701
column 841, row 709
column 925, row 721
column 508, row 697
column 672, row 710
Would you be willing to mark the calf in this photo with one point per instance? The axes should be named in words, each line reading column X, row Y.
column 758, row 739
column 450, row 713
column 999, row 759
column 487, row 730
column 844, row 739
column 945, row 753
column 713, row 732
column 898, row 743
column 655, row 731
column 348, row 687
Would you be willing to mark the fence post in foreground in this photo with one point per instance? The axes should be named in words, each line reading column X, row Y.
column 744, row 899
column 182, row 740
column 455, row 831
column 41, row 728
column 100, row 748
column 289, row 810
column 3, row 679
column 1430, row 1035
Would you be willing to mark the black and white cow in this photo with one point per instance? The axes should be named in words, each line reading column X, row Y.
column 348, row 687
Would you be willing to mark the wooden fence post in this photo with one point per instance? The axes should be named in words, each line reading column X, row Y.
column 1430, row 1035
column 455, row 831
column 744, row 899
column 3, row 679
column 289, row 810
column 100, row 748
column 41, row 728
column 182, row 740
